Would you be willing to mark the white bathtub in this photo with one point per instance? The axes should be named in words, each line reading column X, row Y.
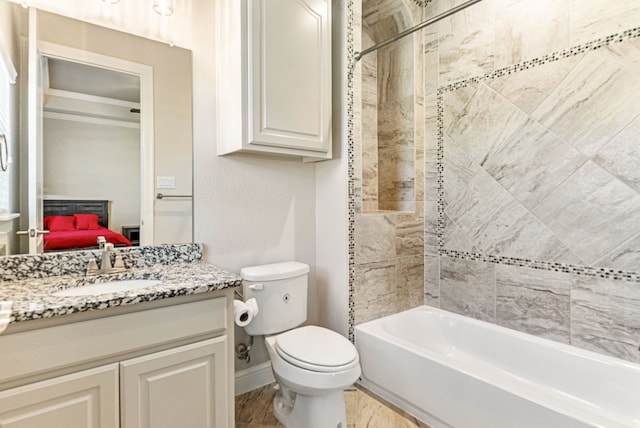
column 453, row 371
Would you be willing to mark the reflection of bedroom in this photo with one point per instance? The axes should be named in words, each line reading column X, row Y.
column 91, row 144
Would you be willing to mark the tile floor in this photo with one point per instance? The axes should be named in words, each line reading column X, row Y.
column 364, row 410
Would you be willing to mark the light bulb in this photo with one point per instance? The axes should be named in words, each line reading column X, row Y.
column 163, row 7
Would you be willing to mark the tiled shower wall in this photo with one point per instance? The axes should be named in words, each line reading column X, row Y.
column 531, row 184
column 389, row 220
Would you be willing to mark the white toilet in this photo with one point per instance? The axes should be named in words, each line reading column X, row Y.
column 312, row 365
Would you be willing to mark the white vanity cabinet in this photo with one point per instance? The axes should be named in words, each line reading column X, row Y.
column 158, row 367
column 273, row 77
column 86, row 399
column 182, row 387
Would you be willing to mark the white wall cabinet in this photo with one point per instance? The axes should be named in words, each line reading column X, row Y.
column 156, row 367
column 86, row 399
column 273, row 77
column 181, row 387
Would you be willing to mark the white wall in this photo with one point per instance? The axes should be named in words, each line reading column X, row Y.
column 331, row 197
column 84, row 160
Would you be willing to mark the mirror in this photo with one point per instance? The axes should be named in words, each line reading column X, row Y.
column 86, row 124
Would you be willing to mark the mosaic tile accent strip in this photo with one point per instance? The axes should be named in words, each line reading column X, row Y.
column 552, row 57
column 595, row 272
column 351, row 205
column 422, row 3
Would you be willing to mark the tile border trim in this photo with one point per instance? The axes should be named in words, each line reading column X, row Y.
column 607, row 273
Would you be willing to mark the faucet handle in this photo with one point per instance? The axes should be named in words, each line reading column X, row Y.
column 92, row 267
column 119, row 263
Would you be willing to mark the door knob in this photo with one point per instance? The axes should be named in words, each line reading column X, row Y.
column 32, row 232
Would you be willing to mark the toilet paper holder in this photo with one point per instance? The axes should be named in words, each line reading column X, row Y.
column 243, row 312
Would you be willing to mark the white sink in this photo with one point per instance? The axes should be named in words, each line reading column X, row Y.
column 108, row 287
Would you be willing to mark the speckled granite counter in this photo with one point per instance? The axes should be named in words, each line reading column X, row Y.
column 29, row 281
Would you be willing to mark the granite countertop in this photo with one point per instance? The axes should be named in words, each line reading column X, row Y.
column 31, row 293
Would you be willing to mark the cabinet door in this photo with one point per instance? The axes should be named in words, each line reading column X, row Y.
column 85, row 399
column 183, row 387
column 290, row 74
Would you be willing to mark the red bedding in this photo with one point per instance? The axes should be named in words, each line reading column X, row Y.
column 68, row 239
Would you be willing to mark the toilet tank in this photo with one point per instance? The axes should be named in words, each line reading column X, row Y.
column 280, row 289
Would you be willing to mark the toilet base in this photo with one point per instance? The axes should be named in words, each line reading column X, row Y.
column 310, row 411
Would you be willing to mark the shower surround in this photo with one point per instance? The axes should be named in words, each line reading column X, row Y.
column 530, row 174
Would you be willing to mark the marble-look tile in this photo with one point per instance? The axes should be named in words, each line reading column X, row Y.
column 480, row 14
column 396, row 124
column 621, row 156
column 410, row 233
column 454, row 102
column 373, row 412
column 591, row 212
column 466, row 53
column 375, row 290
column 369, row 162
column 254, row 409
column 519, row 35
column 369, row 79
column 431, row 228
column 432, row 281
column 532, row 162
column 370, row 120
column 431, row 61
column 410, row 282
column 487, row 120
column 396, row 176
column 625, row 257
column 385, row 18
column 528, row 88
column 592, row 19
column 605, row 317
column 459, row 171
column 468, row 288
column 533, row 301
column 419, row 181
column 396, row 70
column 454, row 239
column 497, row 224
column 430, row 148
column 595, row 102
column 375, row 237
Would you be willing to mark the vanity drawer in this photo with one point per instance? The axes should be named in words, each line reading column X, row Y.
column 34, row 352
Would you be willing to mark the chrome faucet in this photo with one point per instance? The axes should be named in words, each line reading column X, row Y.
column 105, row 260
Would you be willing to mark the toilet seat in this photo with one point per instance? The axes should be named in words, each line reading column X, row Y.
column 317, row 349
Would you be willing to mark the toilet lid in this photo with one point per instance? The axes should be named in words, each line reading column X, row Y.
column 316, row 348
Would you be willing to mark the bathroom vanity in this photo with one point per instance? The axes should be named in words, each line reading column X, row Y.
column 159, row 356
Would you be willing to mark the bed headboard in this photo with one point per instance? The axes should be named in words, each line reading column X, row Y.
column 75, row 206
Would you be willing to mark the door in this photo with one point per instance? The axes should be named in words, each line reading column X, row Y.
column 34, row 141
column 87, row 399
column 182, row 387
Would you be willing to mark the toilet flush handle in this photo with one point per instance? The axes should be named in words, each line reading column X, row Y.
column 257, row 287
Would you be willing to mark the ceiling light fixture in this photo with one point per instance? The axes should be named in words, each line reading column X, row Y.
column 163, row 7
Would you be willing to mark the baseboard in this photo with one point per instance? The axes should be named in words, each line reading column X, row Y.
column 253, row 377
